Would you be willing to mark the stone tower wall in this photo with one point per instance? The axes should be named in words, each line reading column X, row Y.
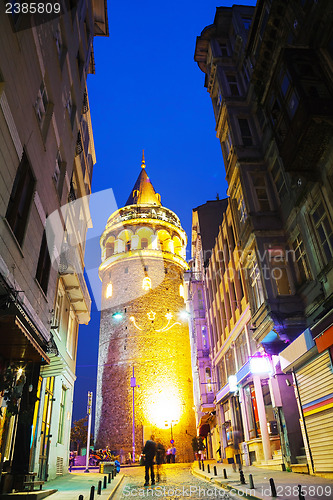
column 160, row 356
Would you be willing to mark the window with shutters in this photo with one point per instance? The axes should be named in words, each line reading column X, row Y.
column 62, row 415
column 233, row 84
column 44, row 264
column 260, row 188
column 20, row 199
column 303, row 271
column 245, row 132
column 324, row 231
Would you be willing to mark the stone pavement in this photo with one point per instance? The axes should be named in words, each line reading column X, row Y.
column 286, row 483
column 70, row 486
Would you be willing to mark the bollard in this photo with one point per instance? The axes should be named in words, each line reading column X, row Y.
column 241, row 476
column 199, row 465
column 300, row 493
column 92, row 493
column 203, row 467
column 81, row 497
column 251, row 482
column 104, row 482
column 273, row 489
column 109, row 478
column 112, row 472
column 208, row 468
column 215, row 470
column 99, row 488
column 225, row 474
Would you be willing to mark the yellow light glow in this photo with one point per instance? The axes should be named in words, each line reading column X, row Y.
column 164, row 408
column 181, row 290
column 146, row 283
column 108, row 292
column 19, row 372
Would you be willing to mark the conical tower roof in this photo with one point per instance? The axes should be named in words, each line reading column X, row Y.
column 143, row 192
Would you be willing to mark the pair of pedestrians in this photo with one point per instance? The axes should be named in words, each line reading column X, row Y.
column 150, row 450
column 171, row 455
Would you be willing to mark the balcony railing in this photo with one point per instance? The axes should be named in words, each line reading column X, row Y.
column 145, row 213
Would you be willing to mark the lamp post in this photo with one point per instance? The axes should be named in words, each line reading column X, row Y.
column 133, row 385
column 89, row 405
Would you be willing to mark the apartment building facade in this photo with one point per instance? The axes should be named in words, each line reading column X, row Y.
column 205, row 223
column 272, row 119
column 46, row 160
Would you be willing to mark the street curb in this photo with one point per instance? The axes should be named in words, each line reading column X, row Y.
column 224, row 486
column 116, row 487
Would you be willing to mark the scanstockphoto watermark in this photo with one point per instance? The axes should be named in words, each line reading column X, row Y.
column 173, row 491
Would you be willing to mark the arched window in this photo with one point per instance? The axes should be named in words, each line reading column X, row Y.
column 109, row 291
column 144, row 242
column 109, row 249
column 146, row 283
column 208, row 380
column 200, row 300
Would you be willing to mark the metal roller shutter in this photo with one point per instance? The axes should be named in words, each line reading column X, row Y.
column 315, row 381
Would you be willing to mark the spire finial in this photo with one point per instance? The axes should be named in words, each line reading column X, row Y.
column 143, row 163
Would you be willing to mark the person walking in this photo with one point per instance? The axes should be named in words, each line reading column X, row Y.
column 149, row 452
column 160, row 458
column 173, row 454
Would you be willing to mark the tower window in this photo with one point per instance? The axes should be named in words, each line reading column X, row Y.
column 181, row 290
column 128, row 246
column 109, row 249
column 109, row 291
column 146, row 283
column 144, row 243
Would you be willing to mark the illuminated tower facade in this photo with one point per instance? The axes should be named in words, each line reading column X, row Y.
column 144, row 328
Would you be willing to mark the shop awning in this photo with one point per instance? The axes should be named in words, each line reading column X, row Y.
column 325, row 340
column 204, row 430
column 17, row 342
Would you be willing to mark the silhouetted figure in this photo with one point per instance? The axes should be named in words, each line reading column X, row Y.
column 149, row 452
column 160, row 458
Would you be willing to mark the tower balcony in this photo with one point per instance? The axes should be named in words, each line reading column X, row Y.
column 134, row 212
column 142, row 254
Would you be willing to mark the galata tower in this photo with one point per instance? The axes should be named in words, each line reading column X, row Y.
column 144, row 383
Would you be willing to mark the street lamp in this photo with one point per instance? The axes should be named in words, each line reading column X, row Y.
column 168, row 423
column 133, row 385
column 89, row 405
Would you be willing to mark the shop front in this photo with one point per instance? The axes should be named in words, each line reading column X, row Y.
column 23, row 351
column 309, row 359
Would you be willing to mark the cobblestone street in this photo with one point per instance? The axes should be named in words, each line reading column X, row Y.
column 179, row 483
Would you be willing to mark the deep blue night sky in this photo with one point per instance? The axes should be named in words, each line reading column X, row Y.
column 148, row 93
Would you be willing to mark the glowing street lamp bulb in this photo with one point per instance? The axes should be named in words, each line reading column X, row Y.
column 117, row 315
column 19, row 372
column 164, row 409
column 184, row 314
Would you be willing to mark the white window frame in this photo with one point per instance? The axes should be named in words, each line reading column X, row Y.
column 41, row 103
